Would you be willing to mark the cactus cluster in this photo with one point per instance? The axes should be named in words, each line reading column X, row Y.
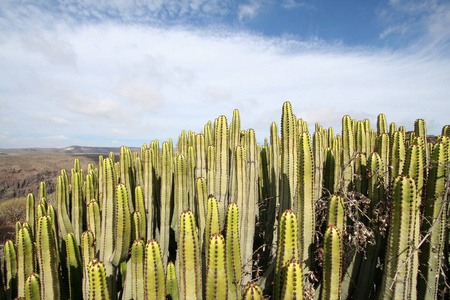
column 356, row 215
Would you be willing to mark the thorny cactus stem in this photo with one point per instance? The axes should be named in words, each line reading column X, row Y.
column 48, row 267
column 171, row 281
column 216, row 274
column 98, row 289
column 398, row 280
column 434, row 224
column 233, row 253
column 292, row 281
column 287, row 246
column 332, row 264
column 155, row 286
column 189, row 258
column 32, row 287
column 252, row 291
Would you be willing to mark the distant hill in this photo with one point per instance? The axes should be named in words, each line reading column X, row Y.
column 21, row 170
column 70, row 149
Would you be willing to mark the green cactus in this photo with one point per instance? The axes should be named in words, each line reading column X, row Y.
column 94, row 218
column 383, row 149
column 200, row 156
column 171, row 281
column 435, row 210
column 62, row 200
column 288, row 172
column 10, row 257
column 212, row 221
column 305, row 203
column 32, row 287
column 30, row 213
column 148, row 188
column 201, row 202
column 233, row 253
column 398, row 280
column 330, row 180
column 347, row 151
column 25, row 258
column 47, row 257
column 181, row 200
column 397, row 154
column 189, row 258
column 74, row 267
column 287, row 247
column 381, row 124
column 360, row 173
column 319, row 161
column 165, row 199
column 332, row 264
column 137, row 279
column 126, row 174
column 252, row 292
column 250, row 204
column 420, row 130
column 155, row 286
column 216, row 274
column 77, row 203
column 106, row 241
column 221, row 165
column 98, row 287
column 122, row 223
column 292, row 281
column 87, row 253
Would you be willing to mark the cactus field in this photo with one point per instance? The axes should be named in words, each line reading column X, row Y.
column 310, row 213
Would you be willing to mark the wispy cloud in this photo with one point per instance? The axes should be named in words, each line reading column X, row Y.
column 248, row 10
column 134, row 82
column 422, row 24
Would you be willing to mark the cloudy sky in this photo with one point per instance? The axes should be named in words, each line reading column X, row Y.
column 118, row 72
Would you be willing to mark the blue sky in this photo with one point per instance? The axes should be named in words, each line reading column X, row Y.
column 116, row 72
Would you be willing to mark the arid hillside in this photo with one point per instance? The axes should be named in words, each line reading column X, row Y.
column 21, row 170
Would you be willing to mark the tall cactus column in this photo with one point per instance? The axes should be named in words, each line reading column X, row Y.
column 434, row 224
column 398, row 279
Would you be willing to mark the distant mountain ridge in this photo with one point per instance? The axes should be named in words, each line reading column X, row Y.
column 67, row 150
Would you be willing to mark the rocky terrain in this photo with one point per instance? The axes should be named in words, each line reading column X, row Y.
column 21, row 170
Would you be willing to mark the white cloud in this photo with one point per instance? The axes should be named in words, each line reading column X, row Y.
column 248, row 11
column 291, row 4
column 146, row 95
column 56, row 137
column 217, row 94
column 424, row 24
column 110, row 81
column 58, row 121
